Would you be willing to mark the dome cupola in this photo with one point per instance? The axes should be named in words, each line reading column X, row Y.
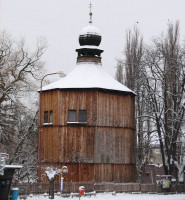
column 89, row 39
column 90, row 35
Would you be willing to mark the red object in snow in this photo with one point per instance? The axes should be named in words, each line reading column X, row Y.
column 81, row 190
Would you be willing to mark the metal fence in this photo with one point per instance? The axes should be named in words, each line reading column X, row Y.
column 71, row 187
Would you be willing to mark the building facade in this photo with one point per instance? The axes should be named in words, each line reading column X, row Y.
column 87, row 120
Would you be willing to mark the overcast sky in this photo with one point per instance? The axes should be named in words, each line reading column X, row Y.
column 60, row 22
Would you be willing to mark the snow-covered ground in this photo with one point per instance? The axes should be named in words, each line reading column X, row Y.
column 118, row 196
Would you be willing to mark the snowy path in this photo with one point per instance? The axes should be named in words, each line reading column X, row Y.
column 119, row 196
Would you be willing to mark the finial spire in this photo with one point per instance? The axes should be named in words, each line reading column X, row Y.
column 90, row 13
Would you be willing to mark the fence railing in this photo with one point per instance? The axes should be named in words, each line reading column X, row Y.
column 72, row 187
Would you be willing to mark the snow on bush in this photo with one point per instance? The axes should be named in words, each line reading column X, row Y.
column 52, row 172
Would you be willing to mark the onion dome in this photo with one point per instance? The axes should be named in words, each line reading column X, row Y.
column 89, row 39
column 90, row 35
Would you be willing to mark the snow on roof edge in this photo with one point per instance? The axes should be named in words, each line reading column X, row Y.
column 88, row 75
column 98, row 88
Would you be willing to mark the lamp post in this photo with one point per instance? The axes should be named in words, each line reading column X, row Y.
column 63, row 171
column 61, row 74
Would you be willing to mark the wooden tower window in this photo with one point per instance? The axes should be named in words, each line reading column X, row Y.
column 72, row 116
column 82, row 116
column 45, row 117
column 77, row 116
column 48, row 117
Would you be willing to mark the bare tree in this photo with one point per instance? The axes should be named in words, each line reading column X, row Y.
column 119, row 71
column 164, row 73
column 157, row 75
column 19, row 69
column 133, row 56
column 18, row 66
column 24, row 146
column 133, row 78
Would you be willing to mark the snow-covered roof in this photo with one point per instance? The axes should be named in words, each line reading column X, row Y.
column 90, row 29
column 88, row 75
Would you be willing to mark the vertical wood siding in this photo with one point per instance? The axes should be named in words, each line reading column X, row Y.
column 101, row 150
column 83, row 172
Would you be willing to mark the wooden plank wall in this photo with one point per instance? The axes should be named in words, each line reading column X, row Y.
column 104, row 148
column 83, row 172
column 103, row 109
column 115, row 110
column 77, row 100
column 114, row 145
column 89, row 144
column 50, row 102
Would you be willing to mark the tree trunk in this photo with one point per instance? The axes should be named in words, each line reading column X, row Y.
column 51, row 188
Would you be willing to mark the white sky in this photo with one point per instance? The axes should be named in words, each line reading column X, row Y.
column 60, row 22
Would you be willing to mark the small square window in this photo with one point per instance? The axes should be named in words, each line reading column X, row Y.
column 82, row 116
column 72, row 116
column 48, row 117
column 45, row 117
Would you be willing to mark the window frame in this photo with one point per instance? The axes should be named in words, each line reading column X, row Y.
column 45, row 117
column 77, row 117
column 48, row 117
column 70, row 117
column 81, row 116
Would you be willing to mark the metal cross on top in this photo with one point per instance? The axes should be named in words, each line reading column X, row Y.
column 90, row 14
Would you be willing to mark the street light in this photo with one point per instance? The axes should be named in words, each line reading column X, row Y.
column 63, row 171
column 61, row 74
